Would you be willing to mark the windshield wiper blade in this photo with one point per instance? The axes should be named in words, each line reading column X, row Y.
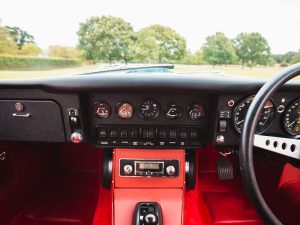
column 125, row 68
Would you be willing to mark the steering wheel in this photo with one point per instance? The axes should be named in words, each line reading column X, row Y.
column 285, row 146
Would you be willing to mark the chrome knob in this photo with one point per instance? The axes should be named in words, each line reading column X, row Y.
column 220, row 139
column 170, row 170
column 76, row 138
column 128, row 169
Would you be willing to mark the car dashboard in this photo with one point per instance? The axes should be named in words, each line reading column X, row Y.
column 141, row 111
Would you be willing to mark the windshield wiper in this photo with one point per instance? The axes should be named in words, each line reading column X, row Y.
column 145, row 69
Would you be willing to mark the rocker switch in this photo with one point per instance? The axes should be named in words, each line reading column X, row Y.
column 75, row 124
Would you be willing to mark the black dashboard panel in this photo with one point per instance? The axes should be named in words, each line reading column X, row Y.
column 160, row 131
column 31, row 120
column 76, row 95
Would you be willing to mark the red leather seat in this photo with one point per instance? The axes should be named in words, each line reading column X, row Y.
column 287, row 203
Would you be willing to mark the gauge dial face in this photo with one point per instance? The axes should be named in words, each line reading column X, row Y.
column 195, row 111
column 240, row 112
column 124, row 110
column 149, row 109
column 291, row 118
column 102, row 110
column 173, row 111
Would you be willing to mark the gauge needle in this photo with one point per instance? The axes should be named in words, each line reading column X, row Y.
column 237, row 123
column 268, row 106
column 291, row 124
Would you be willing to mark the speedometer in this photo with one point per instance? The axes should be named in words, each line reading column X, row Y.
column 240, row 112
column 291, row 118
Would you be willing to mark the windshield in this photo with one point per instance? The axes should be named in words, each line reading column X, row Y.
column 253, row 38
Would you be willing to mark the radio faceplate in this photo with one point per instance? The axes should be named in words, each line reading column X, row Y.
column 148, row 168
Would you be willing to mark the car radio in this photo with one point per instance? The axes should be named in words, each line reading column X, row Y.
column 149, row 168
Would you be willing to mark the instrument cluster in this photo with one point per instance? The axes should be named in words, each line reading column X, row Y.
column 148, row 109
column 289, row 115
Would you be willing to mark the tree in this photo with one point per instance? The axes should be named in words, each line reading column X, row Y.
column 295, row 58
column 20, row 36
column 284, row 58
column 7, row 43
column 30, row 49
column 64, row 52
column 160, row 43
column 218, row 50
column 106, row 38
column 252, row 49
column 193, row 59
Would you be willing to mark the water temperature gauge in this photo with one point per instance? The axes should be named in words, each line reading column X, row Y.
column 173, row 111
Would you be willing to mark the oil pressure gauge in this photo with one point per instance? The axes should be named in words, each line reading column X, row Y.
column 195, row 111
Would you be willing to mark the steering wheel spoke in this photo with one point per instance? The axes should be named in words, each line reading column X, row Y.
column 284, row 146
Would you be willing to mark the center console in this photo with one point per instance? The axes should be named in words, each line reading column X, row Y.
column 148, row 185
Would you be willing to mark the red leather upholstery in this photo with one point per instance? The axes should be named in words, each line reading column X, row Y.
column 220, row 202
column 287, row 201
column 70, row 196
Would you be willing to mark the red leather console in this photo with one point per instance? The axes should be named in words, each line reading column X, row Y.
column 167, row 191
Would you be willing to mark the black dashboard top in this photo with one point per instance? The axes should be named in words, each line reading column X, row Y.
column 139, row 82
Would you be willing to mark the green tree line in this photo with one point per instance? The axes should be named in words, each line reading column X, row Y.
column 110, row 39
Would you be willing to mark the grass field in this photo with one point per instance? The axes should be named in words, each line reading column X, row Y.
column 257, row 72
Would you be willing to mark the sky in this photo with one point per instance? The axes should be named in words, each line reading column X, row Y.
column 55, row 22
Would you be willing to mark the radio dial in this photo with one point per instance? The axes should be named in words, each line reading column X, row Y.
column 170, row 170
column 128, row 169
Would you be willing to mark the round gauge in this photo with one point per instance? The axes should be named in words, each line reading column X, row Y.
column 149, row 109
column 124, row 110
column 195, row 111
column 240, row 112
column 291, row 118
column 173, row 111
column 102, row 110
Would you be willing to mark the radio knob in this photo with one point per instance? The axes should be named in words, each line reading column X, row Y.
column 170, row 170
column 128, row 169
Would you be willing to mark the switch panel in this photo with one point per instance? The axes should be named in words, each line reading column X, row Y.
column 150, row 136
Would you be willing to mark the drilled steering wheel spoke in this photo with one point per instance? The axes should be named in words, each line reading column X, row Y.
column 285, row 146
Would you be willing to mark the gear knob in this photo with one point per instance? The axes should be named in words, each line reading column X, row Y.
column 147, row 213
column 150, row 219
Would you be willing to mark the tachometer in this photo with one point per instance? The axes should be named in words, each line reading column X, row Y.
column 149, row 109
column 291, row 118
column 240, row 112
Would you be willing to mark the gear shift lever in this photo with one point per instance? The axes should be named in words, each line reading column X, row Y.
column 147, row 213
